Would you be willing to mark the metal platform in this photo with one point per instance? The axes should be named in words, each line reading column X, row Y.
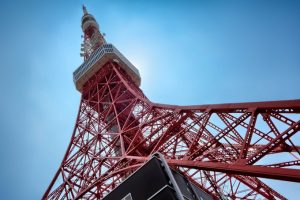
column 98, row 59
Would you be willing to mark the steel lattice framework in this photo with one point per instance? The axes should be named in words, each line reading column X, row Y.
column 224, row 148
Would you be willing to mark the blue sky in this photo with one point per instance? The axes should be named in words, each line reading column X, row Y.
column 199, row 52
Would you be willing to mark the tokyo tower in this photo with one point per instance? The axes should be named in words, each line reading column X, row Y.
column 224, row 149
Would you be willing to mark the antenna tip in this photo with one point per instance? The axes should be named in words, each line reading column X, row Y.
column 84, row 9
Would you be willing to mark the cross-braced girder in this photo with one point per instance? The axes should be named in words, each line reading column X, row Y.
column 223, row 149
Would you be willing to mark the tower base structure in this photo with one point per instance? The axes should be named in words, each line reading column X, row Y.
column 224, row 148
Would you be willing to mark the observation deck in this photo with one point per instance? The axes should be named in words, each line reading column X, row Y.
column 105, row 53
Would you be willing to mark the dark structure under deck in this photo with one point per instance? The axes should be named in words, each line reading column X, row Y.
column 156, row 181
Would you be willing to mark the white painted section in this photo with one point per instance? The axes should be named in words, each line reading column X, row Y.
column 98, row 59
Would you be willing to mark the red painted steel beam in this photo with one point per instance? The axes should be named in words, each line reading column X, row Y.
column 292, row 175
column 287, row 104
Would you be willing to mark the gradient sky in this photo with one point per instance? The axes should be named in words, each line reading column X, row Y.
column 199, row 52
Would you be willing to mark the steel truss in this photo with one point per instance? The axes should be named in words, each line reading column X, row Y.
column 224, row 149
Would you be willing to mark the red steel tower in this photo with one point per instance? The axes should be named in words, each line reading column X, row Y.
column 224, row 149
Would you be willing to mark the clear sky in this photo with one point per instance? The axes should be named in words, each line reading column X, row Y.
column 196, row 52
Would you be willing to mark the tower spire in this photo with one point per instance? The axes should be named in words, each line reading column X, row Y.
column 93, row 38
column 84, row 10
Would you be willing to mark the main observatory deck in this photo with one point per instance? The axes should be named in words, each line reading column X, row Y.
column 98, row 59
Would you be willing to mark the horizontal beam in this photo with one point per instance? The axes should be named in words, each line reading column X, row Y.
column 284, row 174
column 287, row 104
